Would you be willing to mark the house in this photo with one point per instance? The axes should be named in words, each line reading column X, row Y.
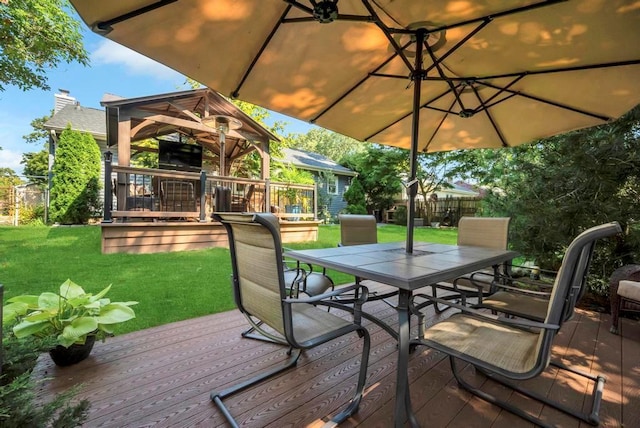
column 332, row 179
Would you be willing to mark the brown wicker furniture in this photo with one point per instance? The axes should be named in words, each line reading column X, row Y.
column 626, row 301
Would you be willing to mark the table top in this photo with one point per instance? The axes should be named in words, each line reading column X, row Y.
column 389, row 263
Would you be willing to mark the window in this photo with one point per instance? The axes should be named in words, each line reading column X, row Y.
column 332, row 185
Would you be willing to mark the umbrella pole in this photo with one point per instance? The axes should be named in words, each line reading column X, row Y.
column 412, row 190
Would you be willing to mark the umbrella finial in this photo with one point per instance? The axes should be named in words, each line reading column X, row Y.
column 325, row 11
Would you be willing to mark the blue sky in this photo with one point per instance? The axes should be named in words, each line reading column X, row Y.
column 114, row 69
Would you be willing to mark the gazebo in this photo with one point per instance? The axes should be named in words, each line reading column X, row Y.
column 201, row 136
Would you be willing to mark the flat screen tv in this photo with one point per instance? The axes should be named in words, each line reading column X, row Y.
column 179, row 156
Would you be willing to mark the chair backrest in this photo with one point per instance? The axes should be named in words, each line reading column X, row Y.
column 256, row 260
column 177, row 195
column 570, row 282
column 357, row 229
column 490, row 232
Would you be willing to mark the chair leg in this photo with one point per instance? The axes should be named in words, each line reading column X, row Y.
column 257, row 333
column 217, row 397
column 353, row 405
column 591, row 418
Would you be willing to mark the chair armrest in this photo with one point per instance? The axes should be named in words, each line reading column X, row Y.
column 516, row 322
column 323, row 299
column 341, row 290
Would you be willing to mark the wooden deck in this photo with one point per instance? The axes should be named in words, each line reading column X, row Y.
column 163, row 377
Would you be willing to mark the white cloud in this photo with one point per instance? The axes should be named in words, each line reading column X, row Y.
column 111, row 53
column 11, row 159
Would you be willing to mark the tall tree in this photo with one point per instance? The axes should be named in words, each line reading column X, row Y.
column 330, row 144
column 76, row 179
column 36, row 36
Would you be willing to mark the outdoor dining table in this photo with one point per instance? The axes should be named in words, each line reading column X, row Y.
column 390, row 264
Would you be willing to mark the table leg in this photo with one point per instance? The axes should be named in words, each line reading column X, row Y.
column 403, row 409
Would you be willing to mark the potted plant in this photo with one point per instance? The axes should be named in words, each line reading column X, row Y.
column 73, row 318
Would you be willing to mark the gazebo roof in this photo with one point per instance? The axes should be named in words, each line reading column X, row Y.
column 181, row 112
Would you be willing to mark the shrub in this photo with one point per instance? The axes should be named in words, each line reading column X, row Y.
column 32, row 215
column 76, row 179
column 17, row 398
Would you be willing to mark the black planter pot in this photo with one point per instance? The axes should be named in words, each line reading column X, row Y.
column 73, row 354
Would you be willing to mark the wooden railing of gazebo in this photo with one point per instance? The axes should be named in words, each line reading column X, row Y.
column 132, row 193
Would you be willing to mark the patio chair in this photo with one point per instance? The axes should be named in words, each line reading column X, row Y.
column 260, row 294
column 624, row 293
column 507, row 349
column 526, row 298
column 488, row 232
column 177, row 196
column 357, row 229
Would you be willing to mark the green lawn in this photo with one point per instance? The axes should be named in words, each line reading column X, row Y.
column 169, row 286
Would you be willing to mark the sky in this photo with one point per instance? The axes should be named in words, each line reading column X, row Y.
column 113, row 69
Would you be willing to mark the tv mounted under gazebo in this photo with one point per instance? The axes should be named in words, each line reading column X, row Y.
column 179, row 156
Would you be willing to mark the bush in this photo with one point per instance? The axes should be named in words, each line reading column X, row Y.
column 401, row 215
column 356, row 209
column 17, row 397
column 32, row 215
column 76, row 179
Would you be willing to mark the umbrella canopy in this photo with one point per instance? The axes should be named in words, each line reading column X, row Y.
column 423, row 75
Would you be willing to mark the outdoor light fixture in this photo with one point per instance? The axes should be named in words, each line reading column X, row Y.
column 222, row 124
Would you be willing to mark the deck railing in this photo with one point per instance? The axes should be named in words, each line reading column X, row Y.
column 159, row 194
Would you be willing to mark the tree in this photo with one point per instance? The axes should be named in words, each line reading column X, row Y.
column 36, row 166
column 355, row 198
column 555, row 188
column 330, row 144
column 432, row 174
column 39, row 133
column 36, row 36
column 380, row 172
column 76, row 179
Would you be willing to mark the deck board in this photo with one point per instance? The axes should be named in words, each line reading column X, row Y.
column 163, row 376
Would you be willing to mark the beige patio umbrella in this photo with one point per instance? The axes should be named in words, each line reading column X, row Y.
column 422, row 75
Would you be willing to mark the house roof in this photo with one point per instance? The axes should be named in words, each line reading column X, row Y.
column 80, row 118
column 314, row 162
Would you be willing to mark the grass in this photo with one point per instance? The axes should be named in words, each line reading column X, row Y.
column 168, row 286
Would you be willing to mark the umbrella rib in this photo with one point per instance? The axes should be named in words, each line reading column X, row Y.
column 425, row 105
column 104, row 27
column 387, row 33
column 464, row 40
column 236, row 92
column 488, row 103
column 436, row 64
column 490, row 117
column 357, row 85
column 553, row 103
column 566, row 69
column 435, row 131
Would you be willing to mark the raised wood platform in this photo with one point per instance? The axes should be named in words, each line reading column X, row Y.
column 143, row 237
column 163, row 377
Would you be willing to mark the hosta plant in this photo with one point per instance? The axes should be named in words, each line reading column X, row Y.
column 69, row 317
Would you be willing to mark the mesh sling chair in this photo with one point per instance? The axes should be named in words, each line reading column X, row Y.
column 527, row 298
column 489, row 232
column 516, row 349
column 361, row 229
column 260, row 294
